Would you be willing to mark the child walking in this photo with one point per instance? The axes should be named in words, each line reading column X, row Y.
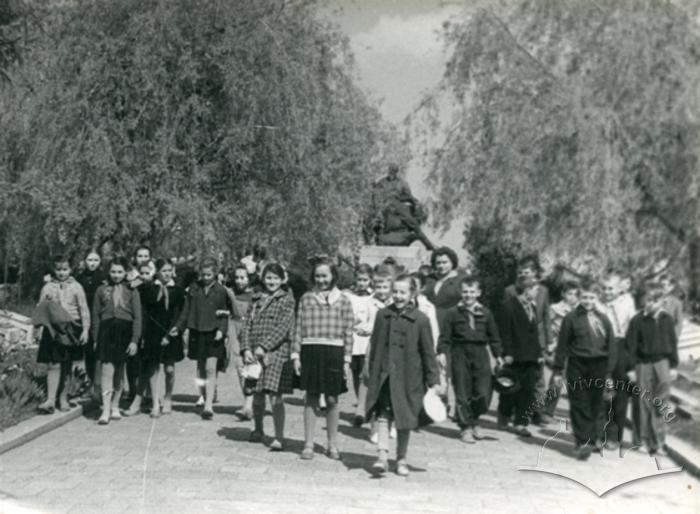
column 322, row 352
column 265, row 339
column 162, row 303
column 362, row 308
column 653, row 350
column 587, row 347
column 207, row 330
column 402, row 366
column 243, row 297
column 67, row 293
column 467, row 330
column 116, row 328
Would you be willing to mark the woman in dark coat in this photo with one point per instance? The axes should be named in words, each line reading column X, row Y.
column 266, row 338
column 402, row 366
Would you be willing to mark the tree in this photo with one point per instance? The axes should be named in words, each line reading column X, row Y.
column 573, row 128
column 193, row 125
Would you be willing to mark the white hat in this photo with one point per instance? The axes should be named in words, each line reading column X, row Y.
column 434, row 407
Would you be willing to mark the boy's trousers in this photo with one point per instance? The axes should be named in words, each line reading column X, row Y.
column 471, row 379
column 585, row 385
column 614, row 416
column 654, row 380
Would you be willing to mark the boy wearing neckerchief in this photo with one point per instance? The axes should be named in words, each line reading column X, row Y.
column 466, row 331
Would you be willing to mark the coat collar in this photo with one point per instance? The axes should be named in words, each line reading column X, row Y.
column 334, row 295
column 477, row 309
column 410, row 312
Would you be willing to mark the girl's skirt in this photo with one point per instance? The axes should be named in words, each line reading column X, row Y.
column 112, row 341
column 322, row 369
column 202, row 346
column 51, row 351
column 154, row 352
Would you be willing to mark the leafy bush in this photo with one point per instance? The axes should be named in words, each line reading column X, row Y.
column 22, row 387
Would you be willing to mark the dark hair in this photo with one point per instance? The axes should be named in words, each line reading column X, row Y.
column 238, row 266
column 425, row 267
column 142, row 247
column 651, row 290
column 382, row 272
column 419, row 277
column 146, row 264
column 273, row 267
column 61, row 259
column 405, row 277
column 209, row 262
column 529, row 261
column 364, row 269
column 444, row 250
column 570, row 285
column 390, row 261
column 590, row 285
column 120, row 261
column 161, row 263
column 325, row 261
column 471, row 280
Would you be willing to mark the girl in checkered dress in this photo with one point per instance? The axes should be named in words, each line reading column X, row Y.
column 322, row 352
column 265, row 338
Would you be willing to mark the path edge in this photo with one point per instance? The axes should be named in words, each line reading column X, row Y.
column 39, row 425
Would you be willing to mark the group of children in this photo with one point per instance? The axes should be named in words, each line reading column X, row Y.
column 394, row 335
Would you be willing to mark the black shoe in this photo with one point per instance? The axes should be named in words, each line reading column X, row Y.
column 358, row 420
column 207, row 414
column 583, row 452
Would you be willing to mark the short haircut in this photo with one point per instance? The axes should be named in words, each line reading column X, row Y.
column 425, row 267
column 529, row 261
column 120, row 261
column 240, row 266
column 209, row 263
column 382, row 272
column 60, row 259
column 651, row 290
column 390, row 261
column 405, row 277
column 444, row 250
column 570, row 285
column 589, row 285
column 364, row 269
column 471, row 280
column 147, row 265
column 161, row 263
column 274, row 268
column 142, row 247
column 419, row 277
column 325, row 261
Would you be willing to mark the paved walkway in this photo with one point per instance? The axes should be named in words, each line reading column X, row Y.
column 180, row 463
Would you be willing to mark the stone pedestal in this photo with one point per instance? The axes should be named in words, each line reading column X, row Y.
column 410, row 257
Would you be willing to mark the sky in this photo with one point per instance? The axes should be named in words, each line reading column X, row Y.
column 399, row 55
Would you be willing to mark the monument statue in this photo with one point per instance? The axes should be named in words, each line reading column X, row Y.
column 396, row 215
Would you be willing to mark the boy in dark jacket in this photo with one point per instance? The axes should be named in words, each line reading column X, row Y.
column 466, row 330
column 587, row 347
column 653, row 349
column 522, row 352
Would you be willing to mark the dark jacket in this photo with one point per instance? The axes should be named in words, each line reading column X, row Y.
column 544, row 322
column 199, row 312
column 651, row 338
column 519, row 335
column 91, row 280
column 449, row 294
column 577, row 339
column 401, row 351
column 455, row 329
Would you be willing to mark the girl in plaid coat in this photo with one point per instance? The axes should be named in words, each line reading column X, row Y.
column 322, row 352
column 265, row 338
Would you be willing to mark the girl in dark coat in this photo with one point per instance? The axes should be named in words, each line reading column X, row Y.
column 162, row 303
column 402, row 366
